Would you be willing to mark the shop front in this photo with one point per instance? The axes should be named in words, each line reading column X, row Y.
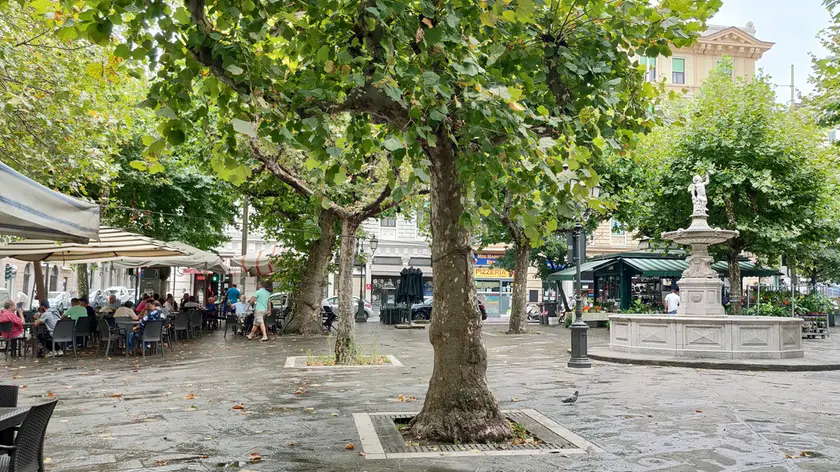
column 494, row 288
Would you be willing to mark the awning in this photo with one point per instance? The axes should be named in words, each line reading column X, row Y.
column 113, row 244
column 653, row 267
column 30, row 210
column 197, row 259
column 260, row 263
column 748, row 269
column 569, row 273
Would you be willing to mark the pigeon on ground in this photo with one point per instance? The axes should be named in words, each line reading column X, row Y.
column 571, row 399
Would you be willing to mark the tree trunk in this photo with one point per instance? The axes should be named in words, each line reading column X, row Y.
column 519, row 298
column 346, row 333
column 309, row 293
column 735, row 296
column 459, row 405
column 814, row 281
column 82, row 282
column 40, row 285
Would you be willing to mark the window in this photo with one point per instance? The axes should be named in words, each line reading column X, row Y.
column 533, row 296
column 678, row 70
column 616, row 228
column 388, row 222
column 650, row 67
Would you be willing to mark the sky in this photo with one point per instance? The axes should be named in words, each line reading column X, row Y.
column 793, row 25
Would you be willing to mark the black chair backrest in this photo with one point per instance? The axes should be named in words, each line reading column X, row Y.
column 153, row 331
column 83, row 326
column 6, row 327
column 29, row 443
column 8, row 396
column 271, row 320
column 232, row 319
column 29, row 316
column 104, row 329
column 63, row 331
column 195, row 318
column 181, row 320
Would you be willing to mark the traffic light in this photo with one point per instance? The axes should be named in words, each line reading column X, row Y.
column 215, row 278
column 10, row 272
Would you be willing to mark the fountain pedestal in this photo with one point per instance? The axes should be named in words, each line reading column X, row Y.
column 701, row 327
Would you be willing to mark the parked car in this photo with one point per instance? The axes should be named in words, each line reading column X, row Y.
column 123, row 294
column 423, row 311
column 97, row 298
column 59, row 300
column 333, row 303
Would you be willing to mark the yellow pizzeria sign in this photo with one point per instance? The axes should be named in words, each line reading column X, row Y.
column 491, row 273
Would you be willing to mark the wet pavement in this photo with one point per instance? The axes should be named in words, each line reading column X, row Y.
column 133, row 414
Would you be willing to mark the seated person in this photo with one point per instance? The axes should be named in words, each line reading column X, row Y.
column 47, row 317
column 10, row 314
column 152, row 313
column 241, row 308
column 170, row 304
column 76, row 310
column 191, row 304
column 144, row 300
column 126, row 311
column 113, row 303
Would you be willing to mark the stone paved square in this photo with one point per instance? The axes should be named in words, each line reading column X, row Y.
column 130, row 414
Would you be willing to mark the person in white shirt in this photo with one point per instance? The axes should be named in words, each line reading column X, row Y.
column 241, row 308
column 672, row 301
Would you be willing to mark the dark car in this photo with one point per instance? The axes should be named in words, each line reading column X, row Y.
column 423, row 311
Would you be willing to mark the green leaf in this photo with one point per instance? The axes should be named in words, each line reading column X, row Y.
column 393, row 143
column 234, row 69
column 182, row 16
column 175, row 136
column 488, row 18
column 430, row 78
column 41, row 6
column 510, row 16
column 421, row 174
column 139, row 165
column 340, row 175
column 599, row 142
column 485, row 211
column 551, row 225
column 244, row 127
column 167, row 112
column 148, row 140
column 543, row 111
column 323, row 54
column 157, row 167
column 311, row 163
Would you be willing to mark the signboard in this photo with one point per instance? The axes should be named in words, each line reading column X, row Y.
column 491, row 273
column 484, row 259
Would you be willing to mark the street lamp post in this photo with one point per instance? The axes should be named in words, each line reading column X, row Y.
column 360, row 310
column 579, row 328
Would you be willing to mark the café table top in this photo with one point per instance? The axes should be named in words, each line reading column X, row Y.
column 12, row 416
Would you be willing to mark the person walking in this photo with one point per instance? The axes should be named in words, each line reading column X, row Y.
column 672, row 301
column 262, row 305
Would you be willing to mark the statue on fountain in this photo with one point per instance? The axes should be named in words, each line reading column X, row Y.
column 697, row 189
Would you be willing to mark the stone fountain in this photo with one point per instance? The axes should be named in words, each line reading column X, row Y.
column 701, row 327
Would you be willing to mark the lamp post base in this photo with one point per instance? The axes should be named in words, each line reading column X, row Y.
column 360, row 313
column 580, row 357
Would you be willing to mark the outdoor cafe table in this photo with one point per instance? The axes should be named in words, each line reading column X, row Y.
column 12, row 416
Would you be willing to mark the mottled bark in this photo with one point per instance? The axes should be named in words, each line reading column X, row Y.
column 40, row 285
column 346, row 334
column 735, row 296
column 82, row 282
column 459, row 405
column 309, row 293
column 519, row 298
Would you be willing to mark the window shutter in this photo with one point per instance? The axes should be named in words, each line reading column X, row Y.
column 678, row 65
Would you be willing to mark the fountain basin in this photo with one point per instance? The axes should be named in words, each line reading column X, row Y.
column 711, row 337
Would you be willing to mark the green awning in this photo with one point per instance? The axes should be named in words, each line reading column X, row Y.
column 748, row 269
column 657, row 267
column 569, row 273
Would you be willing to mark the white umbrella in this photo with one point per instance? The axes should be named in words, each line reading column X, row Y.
column 113, row 244
column 30, row 210
column 197, row 259
column 261, row 263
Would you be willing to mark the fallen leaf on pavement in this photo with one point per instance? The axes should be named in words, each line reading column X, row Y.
column 16, row 376
column 159, row 463
column 50, row 394
column 203, row 456
column 116, row 395
column 363, row 454
column 698, row 411
column 292, row 444
column 190, row 396
column 239, row 407
column 47, row 460
column 349, row 446
column 255, row 457
column 23, row 387
column 514, row 400
column 788, row 456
